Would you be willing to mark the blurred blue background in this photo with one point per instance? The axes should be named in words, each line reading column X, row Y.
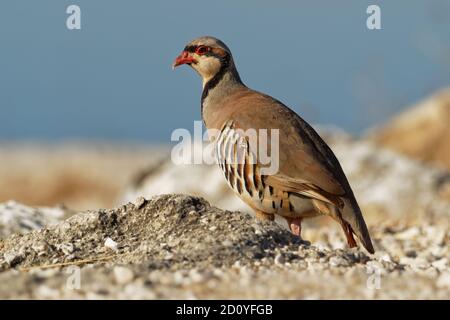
column 113, row 80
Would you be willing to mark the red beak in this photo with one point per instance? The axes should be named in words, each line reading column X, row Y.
column 183, row 58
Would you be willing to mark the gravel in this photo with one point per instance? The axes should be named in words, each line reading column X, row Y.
column 179, row 246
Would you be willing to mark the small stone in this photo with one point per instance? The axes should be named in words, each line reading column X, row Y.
column 13, row 258
column 408, row 234
column 338, row 262
column 430, row 272
column 411, row 254
column 168, row 256
column 123, row 275
column 444, row 280
column 419, row 263
column 40, row 247
column 178, row 277
column 374, row 265
column 111, row 244
column 212, row 228
column 227, row 243
column 66, row 248
column 71, row 257
column 279, row 259
column 196, row 276
column 440, row 264
column 46, row 292
column 383, row 256
column 139, row 202
column 439, row 237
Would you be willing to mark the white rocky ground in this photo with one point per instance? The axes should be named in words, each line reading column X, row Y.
column 180, row 247
column 16, row 217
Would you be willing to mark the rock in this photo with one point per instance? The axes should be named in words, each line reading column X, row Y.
column 111, row 244
column 410, row 233
column 279, row 259
column 123, row 275
column 419, row 263
column 383, row 256
column 444, row 280
column 18, row 218
column 66, row 248
column 338, row 262
column 440, row 264
column 139, row 202
column 420, row 132
column 13, row 258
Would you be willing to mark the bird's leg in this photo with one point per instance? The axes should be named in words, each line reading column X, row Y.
column 349, row 234
column 295, row 225
column 264, row 216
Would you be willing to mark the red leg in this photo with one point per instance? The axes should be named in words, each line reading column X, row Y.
column 295, row 225
column 349, row 233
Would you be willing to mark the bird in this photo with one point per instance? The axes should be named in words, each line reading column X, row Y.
column 309, row 180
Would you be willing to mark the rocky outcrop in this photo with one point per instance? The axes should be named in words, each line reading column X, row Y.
column 421, row 132
column 18, row 218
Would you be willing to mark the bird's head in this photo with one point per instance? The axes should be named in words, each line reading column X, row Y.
column 206, row 55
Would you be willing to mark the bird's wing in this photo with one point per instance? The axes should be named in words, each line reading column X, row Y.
column 304, row 188
column 306, row 163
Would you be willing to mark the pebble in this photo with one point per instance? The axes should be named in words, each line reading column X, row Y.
column 383, row 256
column 408, row 234
column 123, row 275
column 196, row 276
column 227, row 243
column 279, row 259
column 111, row 244
column 139, row 202
column 178, row 277
column 374, row 265
column 169, row 256
column 40, row 248
column 419, row 263
column 440, row 264
column 444, row 280
column 46, row 292
column 134, row 291
column 13, row 258
column 66, row 248
column 338, row 262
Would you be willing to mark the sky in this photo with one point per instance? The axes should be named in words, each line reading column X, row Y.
column 112, row 79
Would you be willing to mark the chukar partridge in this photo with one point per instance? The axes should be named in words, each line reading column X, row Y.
column 309, row 181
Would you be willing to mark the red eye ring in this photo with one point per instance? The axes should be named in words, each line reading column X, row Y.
column 202, row 50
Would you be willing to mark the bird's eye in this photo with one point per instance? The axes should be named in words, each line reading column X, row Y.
column 201, row 50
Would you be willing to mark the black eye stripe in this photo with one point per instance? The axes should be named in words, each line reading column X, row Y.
column 190, row 48
column 210, row 53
